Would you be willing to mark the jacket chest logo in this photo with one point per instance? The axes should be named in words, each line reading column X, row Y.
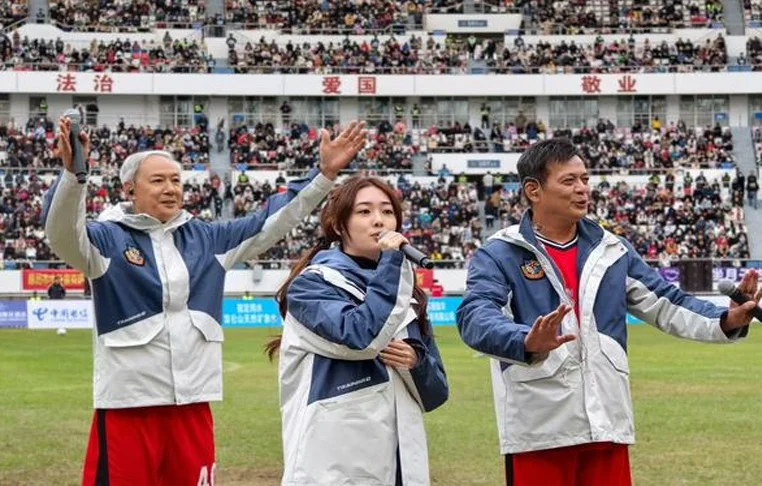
column 532, row 270
column 134, row 256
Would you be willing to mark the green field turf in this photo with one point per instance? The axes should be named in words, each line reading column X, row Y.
column 698, row 411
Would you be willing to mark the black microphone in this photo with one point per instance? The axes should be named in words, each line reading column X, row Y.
column 415, row 255
column 80, row 166
column 726, row 287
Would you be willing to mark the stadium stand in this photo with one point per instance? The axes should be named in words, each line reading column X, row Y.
column 336, row 17
column 668, row 222
column 454, row 55
column 32, row 146
column 264, row 147
column 12, row 11
column 392, row 56
column 752, row 11
column 603, row 16
column 121, row 55
column 383, row 37
column 116, row 16
column 392, row 146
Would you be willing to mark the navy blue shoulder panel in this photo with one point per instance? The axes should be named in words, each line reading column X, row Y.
column 207, row 277
column 131, row 289
column 610, row 308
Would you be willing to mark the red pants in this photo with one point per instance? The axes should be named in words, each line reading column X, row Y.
column 597, row 464
column 151, row 446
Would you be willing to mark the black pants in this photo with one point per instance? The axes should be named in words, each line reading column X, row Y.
column 508, row 469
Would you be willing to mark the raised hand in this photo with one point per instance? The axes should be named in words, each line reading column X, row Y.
column 64, row 145
column 336, row 154
column 392, row 241
column 741, row 315
column 543, row 337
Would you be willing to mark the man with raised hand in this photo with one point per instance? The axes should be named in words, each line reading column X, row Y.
column 548, row 299
column 157, row 278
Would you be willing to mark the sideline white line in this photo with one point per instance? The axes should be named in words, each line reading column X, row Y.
column 231, row 366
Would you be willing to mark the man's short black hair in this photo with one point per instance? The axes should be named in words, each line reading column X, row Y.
column 533, row 163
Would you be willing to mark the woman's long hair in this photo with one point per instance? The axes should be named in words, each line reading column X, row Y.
column 333, row 219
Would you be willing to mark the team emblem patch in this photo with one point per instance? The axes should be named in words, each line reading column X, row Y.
column 134, row 256
column 532, row 270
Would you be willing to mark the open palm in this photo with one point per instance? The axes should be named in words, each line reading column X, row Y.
column 336, row 154
column 543, row 337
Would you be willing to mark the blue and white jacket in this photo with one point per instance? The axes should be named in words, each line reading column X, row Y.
column 346, row 414
column 158, row 288
column 579, row 392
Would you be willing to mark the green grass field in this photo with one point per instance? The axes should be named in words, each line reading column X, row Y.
column 698, row 411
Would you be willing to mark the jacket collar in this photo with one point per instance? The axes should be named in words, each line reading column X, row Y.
column 123, row 213
column 589, row 232
column 338, row 260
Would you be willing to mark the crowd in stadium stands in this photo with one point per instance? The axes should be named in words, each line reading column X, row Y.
column 443, row 218
column 392, row 145
column 756, row 134
column 110, row 146
column 115, row 15
column 603, row 57
column 21, row 229
column 262, row 146
column 171, row 56
column 677, row 218
column 639, row 147
column 32, row 145
column 29, row 145
column 390, row 56
column 257, row 15
column 489, row 137
column 752, row 10
column 12, row 11
column 21, row 217
column 340, row 16
column 454, row 55
column 672, row 217
column 352, row 17
column 604, row 145
column 753, row 55
column 601, row 16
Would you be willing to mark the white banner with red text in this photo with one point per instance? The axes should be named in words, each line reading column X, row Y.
column 380, row 85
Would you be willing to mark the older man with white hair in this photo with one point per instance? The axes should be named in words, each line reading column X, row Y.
column 157, row 278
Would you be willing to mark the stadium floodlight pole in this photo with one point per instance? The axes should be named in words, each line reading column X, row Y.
column 80, row 165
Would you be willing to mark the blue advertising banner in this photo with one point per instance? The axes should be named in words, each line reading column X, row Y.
column 441, row 310
column 264, row 312
column 13, row 314
column 235, row 313
column 250, row 313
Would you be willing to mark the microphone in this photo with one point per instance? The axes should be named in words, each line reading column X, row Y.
column 415, row 255
column 726, row 287
column 80, row 166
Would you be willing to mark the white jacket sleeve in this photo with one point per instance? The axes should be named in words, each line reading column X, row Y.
column 64, row 220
